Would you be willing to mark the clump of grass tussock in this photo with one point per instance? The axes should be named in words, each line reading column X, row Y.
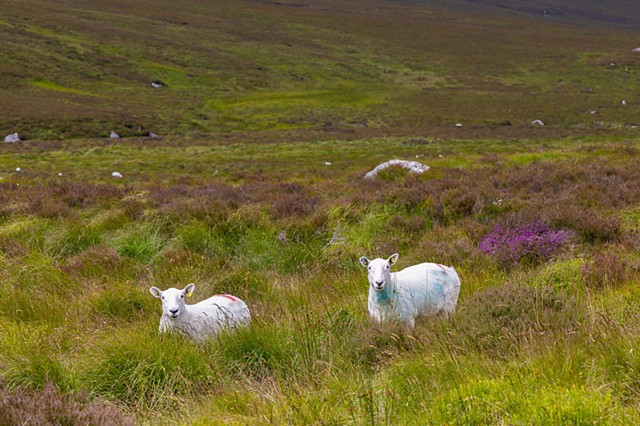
column 203, row 238
column 71, row 240
column 20, row 235
column 39, row 272
column 33, row 354
column 141, row 243
column 35, row 289
column 258, row 287
column 123, row 302
column 397, row 174
column 490, row 401
column 50, row 407
column 160, row 374
column 22, row 305
column 616, row 360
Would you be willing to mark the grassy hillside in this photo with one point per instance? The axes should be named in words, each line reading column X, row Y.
column 271, row 114
column 332, row 65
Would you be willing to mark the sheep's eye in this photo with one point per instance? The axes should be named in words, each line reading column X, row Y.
column 182, row 296
column 387, row 266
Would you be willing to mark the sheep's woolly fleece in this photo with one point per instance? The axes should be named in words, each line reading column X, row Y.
column 412, row 166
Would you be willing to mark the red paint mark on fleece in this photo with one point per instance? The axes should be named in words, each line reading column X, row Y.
column 228, row 296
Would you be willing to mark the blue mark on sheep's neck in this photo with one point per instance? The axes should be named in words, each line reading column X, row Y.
column 383, row 297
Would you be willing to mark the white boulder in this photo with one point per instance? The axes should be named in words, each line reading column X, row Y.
column 412, row 166
column 13, row 137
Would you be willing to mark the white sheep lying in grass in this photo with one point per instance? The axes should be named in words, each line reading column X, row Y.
column 202, row 319
column 423, row 289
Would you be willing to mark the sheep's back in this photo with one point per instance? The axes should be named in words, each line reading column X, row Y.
column 427, row 286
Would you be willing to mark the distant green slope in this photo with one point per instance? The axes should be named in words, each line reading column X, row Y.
column 83, row 68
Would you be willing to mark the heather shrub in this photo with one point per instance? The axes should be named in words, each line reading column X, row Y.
column 408, row 225
column 50, row 407
column 82, row 194
column 458, row 203
column 293, row 204
column 44, row 206
column 96, row 262
column 133, row 208
column 506, row 320
column 12, row 247
column 532, row 243
column 605, row 270
column 591, row 227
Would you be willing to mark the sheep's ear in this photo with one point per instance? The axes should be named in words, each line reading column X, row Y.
column 393, row 258
column 188, row 290
column 364, row 261
column 155, row 292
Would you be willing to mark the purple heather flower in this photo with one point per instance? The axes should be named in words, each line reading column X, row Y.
column 526, row 243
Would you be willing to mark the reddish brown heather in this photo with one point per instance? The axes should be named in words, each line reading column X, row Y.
column 605, row 270
column 50, row 407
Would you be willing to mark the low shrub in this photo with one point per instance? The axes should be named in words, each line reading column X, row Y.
column 96, row 261
column 605, row 270
column 532, row 243
column 50, row 407
column 591, row 227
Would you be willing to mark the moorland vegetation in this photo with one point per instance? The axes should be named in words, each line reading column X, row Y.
column 271, row 115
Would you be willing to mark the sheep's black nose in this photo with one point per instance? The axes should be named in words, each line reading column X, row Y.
column 379, row 283
column 173, row 311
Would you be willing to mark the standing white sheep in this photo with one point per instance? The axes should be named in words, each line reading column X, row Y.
column 424, row 289
column 203, row 319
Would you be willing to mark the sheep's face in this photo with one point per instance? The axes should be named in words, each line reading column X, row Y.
column 172, row 299
column 379, row 271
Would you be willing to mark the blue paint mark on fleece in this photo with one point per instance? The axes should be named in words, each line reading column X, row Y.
column 382, row 297
column 437, row 289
